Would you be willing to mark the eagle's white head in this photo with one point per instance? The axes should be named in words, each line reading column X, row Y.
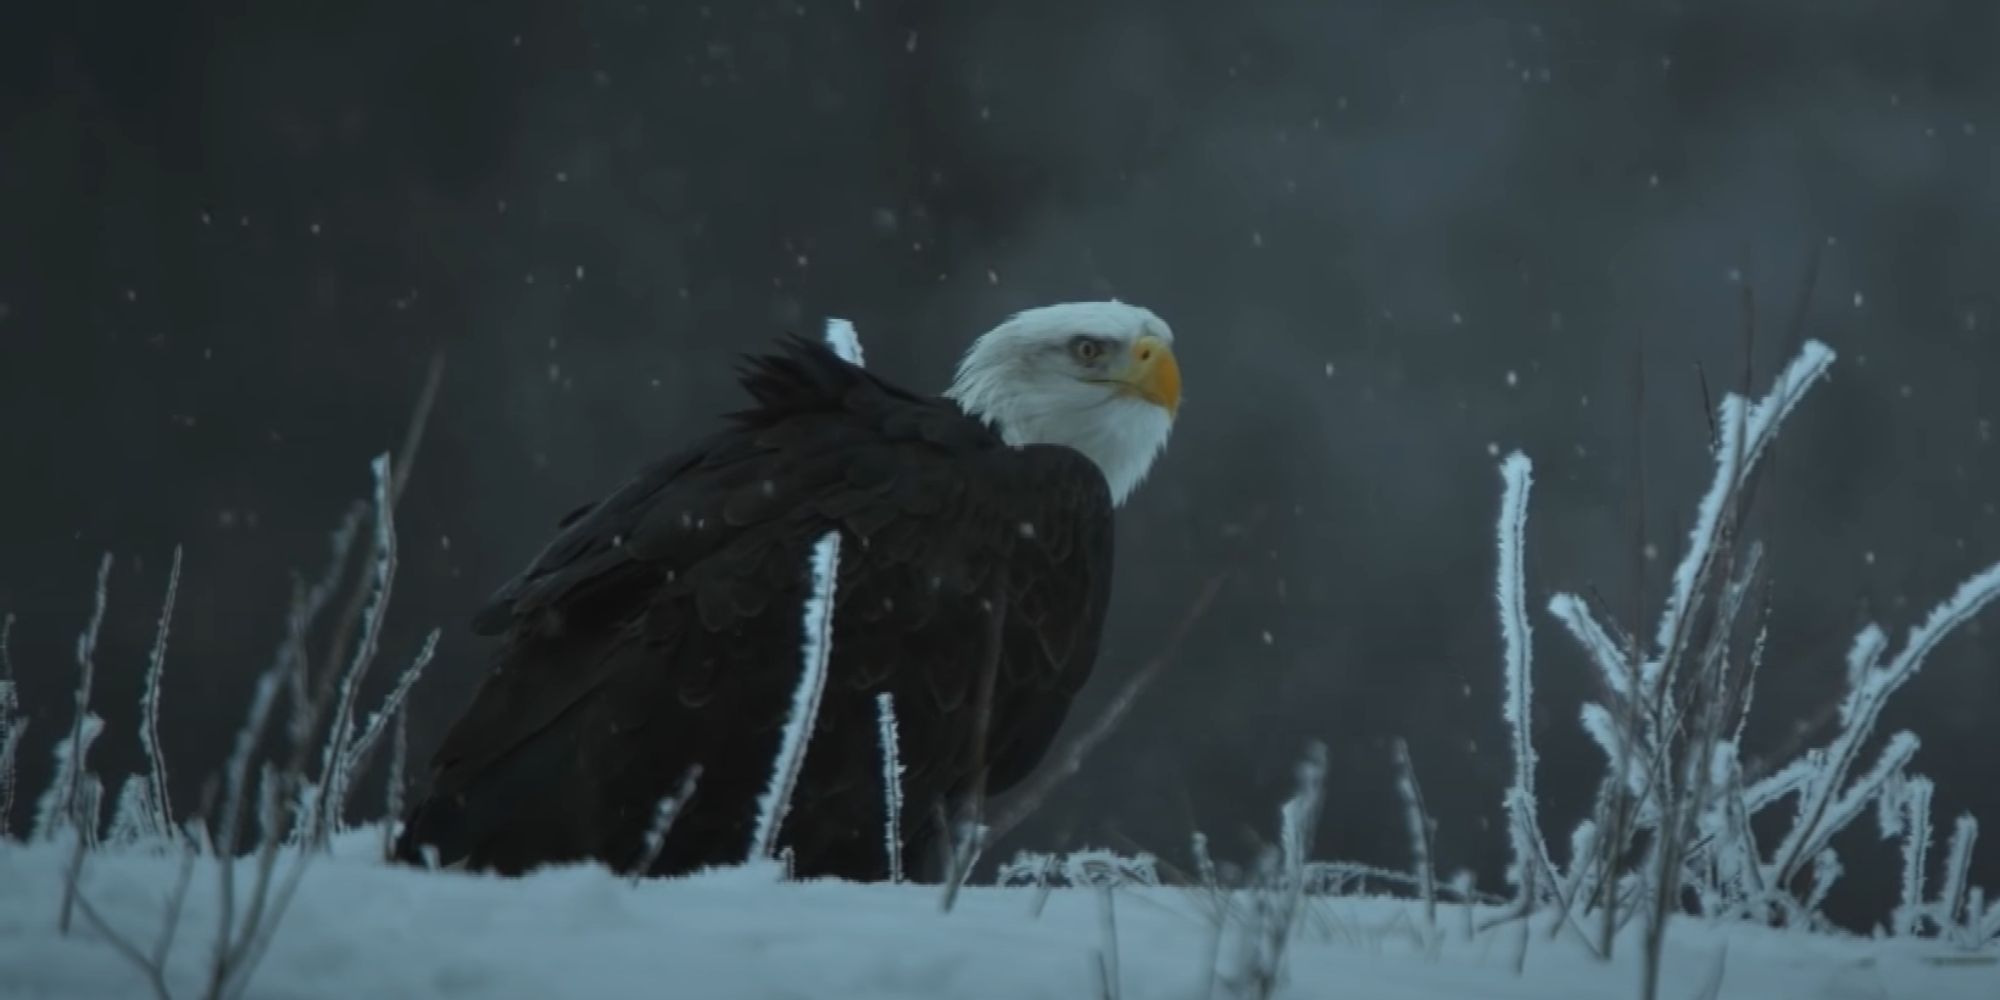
column 1099, row 377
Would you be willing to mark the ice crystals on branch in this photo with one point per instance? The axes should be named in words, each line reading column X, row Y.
column 817, row 653
column 1671, row 719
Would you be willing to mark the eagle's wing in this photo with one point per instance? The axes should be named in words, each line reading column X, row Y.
column 662, row 628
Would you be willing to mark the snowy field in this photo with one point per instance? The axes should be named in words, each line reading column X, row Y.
column 359, row 928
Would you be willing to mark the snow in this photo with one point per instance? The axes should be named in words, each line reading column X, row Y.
column 361, row 928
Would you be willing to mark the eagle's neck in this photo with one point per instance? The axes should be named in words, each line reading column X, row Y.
column 1121, row 437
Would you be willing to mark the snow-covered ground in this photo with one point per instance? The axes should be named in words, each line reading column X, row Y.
column 362, row 929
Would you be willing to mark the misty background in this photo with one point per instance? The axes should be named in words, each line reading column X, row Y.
column 1395, row 239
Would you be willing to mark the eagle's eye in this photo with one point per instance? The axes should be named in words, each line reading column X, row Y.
column 1086, row 349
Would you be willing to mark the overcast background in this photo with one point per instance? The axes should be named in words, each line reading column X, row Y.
column 1392, row 237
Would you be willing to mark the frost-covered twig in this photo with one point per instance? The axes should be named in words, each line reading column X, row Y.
column 334, row 777
column 1529, row 852
column 392, row 791
column 1869, row 689
column 246, row 922
column 363, row 743
column 1671, row 728
column 12, row 725
column 239, row 953
column 344, row 631
column 1340, row 878
column 664, row 814
column 1419, row 823
column 74, row 781
column 1746, row 431
column 235, row 780
column 162, row 818
column 1913, row 808
column 892, row 784
column 1951, row 901
column 1090, row 867
column 817, row 652
column 1276, row 903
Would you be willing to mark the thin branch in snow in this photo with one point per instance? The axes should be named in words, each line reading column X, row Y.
column 1813, row 830
column 334, row 777
column 161, row 819
column 664, row 814
column 1988, row 930
column 1915, row 805
column 54, row 812
column 76, row 783
column 1752, row 666
column 1516, row 474
column 1826, row 870
column 12, row 725
column 1613, row 666
column 1420, row 830
column 392, row 791
column 71, row 806
column 1298, row 818
column 133, row 816
column 892, row 784
column 235, row 778
column 1746, row 430
column 344, row 631
column 242, row 944
column 1277, row 899
column 1865, row 653
column 363, row 743
column 1957, row 866
column 817, row 652
column 1869, row 690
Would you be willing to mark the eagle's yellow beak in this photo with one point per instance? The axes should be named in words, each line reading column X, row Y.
column 1152, row 375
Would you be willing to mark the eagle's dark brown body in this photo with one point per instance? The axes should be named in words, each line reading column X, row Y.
column 662, row 628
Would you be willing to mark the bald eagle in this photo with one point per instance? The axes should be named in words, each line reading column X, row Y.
column 661, row 627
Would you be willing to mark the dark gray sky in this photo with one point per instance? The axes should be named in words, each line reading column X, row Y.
column 1391, row 235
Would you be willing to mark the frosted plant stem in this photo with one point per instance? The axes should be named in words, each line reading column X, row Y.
column 334, row 776
column 82, row 827
column 817, row 652
column 664, row 814
column 892, row 784
column 1516, row 474
column 162, row 820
